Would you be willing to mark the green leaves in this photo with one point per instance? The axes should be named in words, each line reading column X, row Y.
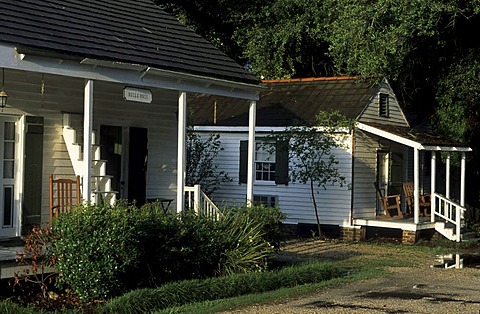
column 201, row 166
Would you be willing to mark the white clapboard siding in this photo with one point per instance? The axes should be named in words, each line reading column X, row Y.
column 294, row 199
column 365, row 168
column 61, row 94
column 371, row 112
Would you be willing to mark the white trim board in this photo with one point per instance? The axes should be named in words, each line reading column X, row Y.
column 407, row 142
column 128, row 74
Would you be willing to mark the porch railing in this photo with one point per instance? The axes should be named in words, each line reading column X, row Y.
column 448, row 211
column 197, row 200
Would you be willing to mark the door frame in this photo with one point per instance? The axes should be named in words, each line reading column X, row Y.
column 125, row 126
column 15, row 230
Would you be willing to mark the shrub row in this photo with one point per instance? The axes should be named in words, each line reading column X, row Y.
column 190, row 291
column 103, row 251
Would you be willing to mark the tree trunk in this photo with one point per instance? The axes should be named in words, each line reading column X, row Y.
column 316, row 209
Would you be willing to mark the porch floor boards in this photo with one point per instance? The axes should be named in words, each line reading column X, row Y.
column 404, row 223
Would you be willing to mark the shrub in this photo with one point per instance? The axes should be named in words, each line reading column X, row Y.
column 246, row 249
column 94, row 246
column 269, row 218
column 102, row 251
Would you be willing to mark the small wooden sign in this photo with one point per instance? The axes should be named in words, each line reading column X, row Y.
column 137, row 94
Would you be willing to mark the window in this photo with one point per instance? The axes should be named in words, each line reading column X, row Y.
column 264, row 161
column 271, row 163
column 267, row 200
column 383, row 106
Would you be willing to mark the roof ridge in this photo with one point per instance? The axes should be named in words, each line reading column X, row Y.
column 312, row 79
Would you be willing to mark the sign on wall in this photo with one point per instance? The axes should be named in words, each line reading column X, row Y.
column 137, row 94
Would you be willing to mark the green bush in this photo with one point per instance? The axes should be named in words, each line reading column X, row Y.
column 93, row 247
column 270, row 219
column 103, row 251
column 183, row 292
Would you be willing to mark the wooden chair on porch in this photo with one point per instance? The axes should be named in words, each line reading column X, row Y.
column 64, row 195
column 424, row 199
column 390, row 203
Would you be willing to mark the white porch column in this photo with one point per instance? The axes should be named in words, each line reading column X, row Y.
column 87, row 140
column 181, row 158
column 251, row 151
column 462, row 180
column 432, row 185
column 416, row 184
column 447, row 176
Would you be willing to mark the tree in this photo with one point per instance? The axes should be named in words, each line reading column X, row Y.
column 217, row 20
column 201, row 168
column 288, row 39
column 311, row 155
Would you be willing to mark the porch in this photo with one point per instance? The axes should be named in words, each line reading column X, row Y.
column 401, row 154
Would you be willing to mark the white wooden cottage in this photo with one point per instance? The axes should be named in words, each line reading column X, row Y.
column 99, row 89
column 381, row 148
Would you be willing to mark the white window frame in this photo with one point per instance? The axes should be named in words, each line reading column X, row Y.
column 265, row 160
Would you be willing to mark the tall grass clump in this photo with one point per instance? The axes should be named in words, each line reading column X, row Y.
column 269, row 220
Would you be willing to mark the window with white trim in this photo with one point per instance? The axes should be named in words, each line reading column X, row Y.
column 264, row 161
column 271, row 162
column 267, row 200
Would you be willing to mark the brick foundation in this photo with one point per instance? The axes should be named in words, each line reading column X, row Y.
column 409, row 237
column 352, row 234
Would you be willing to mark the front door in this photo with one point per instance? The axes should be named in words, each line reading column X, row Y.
column 125, row 150
column 9, row 215
column 383, row 161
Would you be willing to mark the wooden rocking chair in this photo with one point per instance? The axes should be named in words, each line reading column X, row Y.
column 390, row 203
column 64, row 195
column 424, row 199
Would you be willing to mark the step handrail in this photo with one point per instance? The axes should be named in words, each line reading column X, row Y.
column 449, row 211
column 197, row 200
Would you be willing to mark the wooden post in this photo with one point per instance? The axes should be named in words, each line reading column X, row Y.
column 251, row 151
column 197, row 199
column 432, row 188
column 87, row 141
column 462, row 180
column 447, row 177
column 181, row 158
column 416, row 183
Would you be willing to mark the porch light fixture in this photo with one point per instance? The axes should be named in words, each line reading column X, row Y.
column 3, row 95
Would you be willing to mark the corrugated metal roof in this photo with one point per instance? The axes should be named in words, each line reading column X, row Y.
column 285, row 102
column 136, row 32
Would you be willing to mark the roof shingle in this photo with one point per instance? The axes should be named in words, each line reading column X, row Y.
column 127, row 31
column 285, row 102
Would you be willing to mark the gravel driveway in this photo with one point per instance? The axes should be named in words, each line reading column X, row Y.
column 419, row 289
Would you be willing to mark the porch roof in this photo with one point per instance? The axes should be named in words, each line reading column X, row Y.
column 123, row 31
column 420, row 139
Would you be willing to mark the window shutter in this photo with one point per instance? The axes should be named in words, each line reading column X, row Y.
column 281, row 162
column 243, row 161
column 32, row 190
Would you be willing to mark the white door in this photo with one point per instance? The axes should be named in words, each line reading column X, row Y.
column 9, row 215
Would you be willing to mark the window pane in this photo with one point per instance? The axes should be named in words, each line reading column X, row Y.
column 9, row 150
column 7, row 206
column 8, row 167
column 9, row 131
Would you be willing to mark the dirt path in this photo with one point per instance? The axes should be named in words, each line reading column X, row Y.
column 419, row 289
